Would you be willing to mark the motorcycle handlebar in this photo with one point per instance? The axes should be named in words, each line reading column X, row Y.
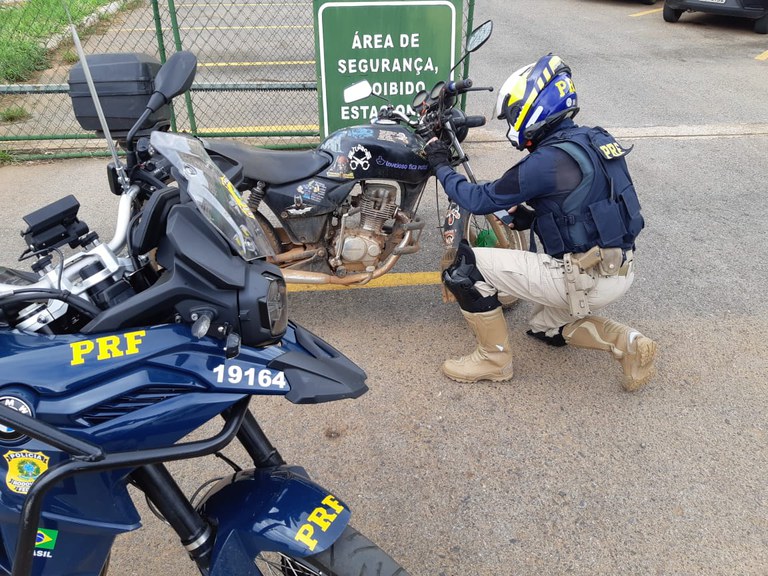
column 458, row 86
column 474, row 121
column 469, row 121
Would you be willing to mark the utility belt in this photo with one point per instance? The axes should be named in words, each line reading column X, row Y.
column 582, row 270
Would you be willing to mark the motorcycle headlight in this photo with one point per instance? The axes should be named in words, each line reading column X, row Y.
column 274, row 308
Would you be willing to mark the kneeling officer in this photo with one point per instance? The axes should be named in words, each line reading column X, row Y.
column 586, row 214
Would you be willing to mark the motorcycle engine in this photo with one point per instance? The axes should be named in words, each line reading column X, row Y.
column 361, row 246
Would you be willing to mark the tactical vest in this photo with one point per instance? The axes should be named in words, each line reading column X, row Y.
column 603, row 210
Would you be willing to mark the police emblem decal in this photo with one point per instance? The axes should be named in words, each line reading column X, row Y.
column 24, row 467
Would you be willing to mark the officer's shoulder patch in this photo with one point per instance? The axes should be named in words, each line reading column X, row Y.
column 606, row 145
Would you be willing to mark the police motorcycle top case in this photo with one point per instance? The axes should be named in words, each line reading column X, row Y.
column 603, row 210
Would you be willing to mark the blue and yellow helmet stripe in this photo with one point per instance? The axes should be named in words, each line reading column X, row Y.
column 538, row 78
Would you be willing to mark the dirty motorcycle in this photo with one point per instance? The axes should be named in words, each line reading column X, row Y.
column 346, row 212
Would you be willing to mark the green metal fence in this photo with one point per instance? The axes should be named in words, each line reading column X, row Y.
column 255, row 79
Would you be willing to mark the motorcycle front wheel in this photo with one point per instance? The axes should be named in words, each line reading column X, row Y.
column 351, row 555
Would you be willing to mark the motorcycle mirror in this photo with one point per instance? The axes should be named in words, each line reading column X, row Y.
column 476, row 38
column 479, row 36
column 357, row 91
column 174, row 78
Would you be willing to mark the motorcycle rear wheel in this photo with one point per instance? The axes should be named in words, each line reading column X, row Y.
column 489, row 232
column 351, row 555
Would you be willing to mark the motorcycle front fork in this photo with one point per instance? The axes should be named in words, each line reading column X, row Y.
column 194, row 532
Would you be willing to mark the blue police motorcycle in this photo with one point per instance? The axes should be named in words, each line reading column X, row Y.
column 111, row 356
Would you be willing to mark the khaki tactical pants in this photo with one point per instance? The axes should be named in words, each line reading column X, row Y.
column 540, row 279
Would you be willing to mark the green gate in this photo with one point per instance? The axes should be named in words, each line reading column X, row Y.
column 256, row 76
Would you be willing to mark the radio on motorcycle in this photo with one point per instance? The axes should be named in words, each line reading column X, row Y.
column 113, row 355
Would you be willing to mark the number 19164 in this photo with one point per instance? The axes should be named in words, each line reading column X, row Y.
column 234, row 374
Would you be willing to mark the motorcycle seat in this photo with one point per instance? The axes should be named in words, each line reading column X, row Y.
column 271, row 166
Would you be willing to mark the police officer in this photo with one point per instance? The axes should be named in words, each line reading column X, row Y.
column 573, row 190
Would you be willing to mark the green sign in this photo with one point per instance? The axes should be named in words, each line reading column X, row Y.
column 399, row 46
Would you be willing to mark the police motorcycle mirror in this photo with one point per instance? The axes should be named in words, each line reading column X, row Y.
column 174, row 78
column 358, row 91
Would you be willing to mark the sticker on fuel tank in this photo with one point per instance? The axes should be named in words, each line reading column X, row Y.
column 359, row 157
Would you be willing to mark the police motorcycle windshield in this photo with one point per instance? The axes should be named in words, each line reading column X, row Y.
column 213, row 194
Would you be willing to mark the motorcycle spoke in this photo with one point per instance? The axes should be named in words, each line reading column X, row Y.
column 273, row 563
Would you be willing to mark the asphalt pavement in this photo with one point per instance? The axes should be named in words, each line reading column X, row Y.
column 558, row 471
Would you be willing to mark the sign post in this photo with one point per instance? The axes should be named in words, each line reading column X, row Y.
column 399, row 46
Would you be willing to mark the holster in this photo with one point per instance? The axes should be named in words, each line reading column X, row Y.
column 609, row 261
column 582, row 269
column 577, row 285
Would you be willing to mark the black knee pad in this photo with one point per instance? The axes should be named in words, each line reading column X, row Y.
column 460, row 278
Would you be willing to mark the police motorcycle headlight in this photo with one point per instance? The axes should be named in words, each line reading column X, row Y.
column 274, row 306
column 263, row 305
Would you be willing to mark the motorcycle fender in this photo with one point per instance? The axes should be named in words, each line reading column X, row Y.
column 274, row 510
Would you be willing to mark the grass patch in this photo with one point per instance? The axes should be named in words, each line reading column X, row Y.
column 6, row 157
column 20, row 59
column 69, row 56
column 24, row 29
column 14, row 114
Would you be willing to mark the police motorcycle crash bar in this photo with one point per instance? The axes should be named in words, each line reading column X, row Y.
column 110, row 356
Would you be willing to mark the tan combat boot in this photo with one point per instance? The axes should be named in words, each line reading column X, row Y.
column 633, row 351
column 492, row 359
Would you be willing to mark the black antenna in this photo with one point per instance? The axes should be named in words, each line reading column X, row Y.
column 124, row 183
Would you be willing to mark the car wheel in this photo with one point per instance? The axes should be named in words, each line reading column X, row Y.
column 670, row 14
column 761, row 25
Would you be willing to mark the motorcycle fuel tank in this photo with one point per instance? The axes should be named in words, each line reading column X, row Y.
column 386, row 152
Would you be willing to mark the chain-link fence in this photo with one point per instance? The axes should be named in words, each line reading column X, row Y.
column 256, row 75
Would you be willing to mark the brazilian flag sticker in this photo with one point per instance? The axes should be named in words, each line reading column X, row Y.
column 46, row 539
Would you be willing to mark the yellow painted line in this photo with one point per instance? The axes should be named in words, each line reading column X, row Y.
column 266, row 63
column 386, row 281
column 763, row 56
column 646, row 12
column 291, row 128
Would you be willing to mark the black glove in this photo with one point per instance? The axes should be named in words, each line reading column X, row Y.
column 438, row 154
column 521, row 219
